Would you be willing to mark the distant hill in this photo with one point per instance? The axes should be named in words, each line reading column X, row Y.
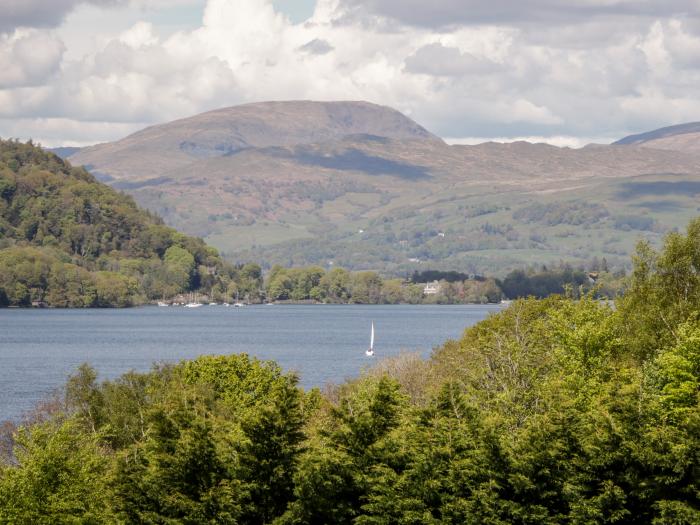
column 68, row 240
column 683, row 137
column 64, row 152
column 363, row 186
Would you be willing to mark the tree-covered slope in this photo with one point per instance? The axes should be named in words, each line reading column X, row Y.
column 68, row 240
column 555, row 411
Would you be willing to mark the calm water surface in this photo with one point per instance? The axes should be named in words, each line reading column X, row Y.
column 39, row 348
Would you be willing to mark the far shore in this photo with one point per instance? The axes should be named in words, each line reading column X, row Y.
column 242, row 305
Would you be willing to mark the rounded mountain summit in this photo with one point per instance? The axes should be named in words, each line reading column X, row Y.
column 227, row 131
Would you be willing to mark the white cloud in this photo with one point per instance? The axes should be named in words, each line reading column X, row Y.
column 40, row 13
column 438, row 60
column 555, row 140
column 683, row 45
column 159, row 4
column 502, row 75
column 51, row 13
column 451, row 13
column 28, row 58
column 316, row 47
column 65, row 132
column 139, row 35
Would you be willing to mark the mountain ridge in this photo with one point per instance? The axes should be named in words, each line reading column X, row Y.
column 279, row 189
column 666, row 131
column 681, row 138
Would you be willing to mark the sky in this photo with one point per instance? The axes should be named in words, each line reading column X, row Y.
column 567, row 72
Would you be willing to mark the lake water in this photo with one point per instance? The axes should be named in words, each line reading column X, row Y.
column 323, row 343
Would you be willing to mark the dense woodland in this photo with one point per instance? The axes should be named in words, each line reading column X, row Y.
column 68, row 240
column 552, row 411
column 341, row 286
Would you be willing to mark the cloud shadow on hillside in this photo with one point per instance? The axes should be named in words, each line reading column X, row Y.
column 356, row 160
column 630, row 190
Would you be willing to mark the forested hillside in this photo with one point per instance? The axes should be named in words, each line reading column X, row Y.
column 555, row 411
column 68, row 240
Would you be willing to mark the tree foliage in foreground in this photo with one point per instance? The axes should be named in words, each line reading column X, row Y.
column 552, row 411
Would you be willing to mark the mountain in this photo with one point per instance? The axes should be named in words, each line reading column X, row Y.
column 360, row 185
column 68, row 240
column 225, row 132
column 682, row 137
column 65, row 151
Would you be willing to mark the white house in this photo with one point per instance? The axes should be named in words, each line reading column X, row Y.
column 431, row 288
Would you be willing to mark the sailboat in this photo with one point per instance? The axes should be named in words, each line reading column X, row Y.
column 370, row 351
column 194, row 303
column 238, row 304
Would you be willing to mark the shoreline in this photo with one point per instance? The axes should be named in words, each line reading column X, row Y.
column 286, row 303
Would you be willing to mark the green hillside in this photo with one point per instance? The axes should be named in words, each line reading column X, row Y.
column 495, row 232
column 299, row 184
column 68, row 240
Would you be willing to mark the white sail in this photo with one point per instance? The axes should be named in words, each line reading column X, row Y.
column 370, row 351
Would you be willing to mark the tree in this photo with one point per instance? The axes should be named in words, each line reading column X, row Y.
column 366, row 288
column 113, row 289
column 332, row 482
column 336, row 285
column 269, row 457
column 85, row 398
column 178, row 474
column 392, row 291
column 304, row 280
column 180, row 265
column 59, row 477
column 279, row 286
column 663, row 290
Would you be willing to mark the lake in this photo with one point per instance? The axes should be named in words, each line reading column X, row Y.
column 323, row 343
